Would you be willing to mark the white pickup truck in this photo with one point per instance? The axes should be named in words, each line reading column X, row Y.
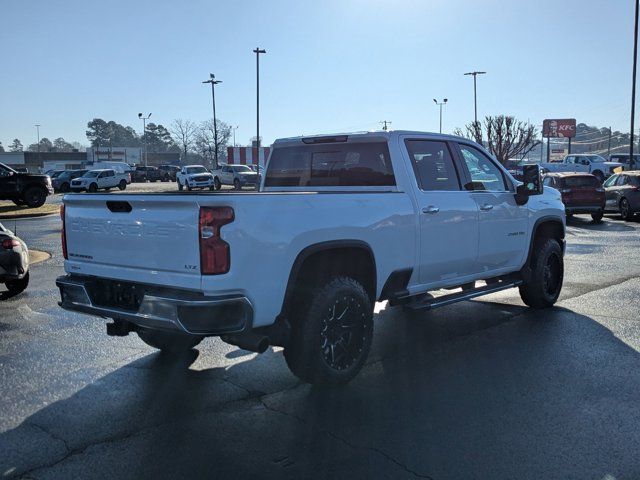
column 100, row 179
column 589, row 163
column 340, row 222
column 194, row 176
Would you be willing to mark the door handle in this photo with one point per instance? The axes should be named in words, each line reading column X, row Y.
column 486, row 207
column 430, row 209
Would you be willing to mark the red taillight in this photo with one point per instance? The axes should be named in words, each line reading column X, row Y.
column 214, row 252
column 63, row 234
column 9, row 243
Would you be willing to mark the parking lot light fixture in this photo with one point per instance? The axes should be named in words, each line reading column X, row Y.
column 144, row 135
column 440, row 104
column 212, row 80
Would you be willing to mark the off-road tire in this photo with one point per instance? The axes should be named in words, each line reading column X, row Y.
column 168, row 342
column 331, row 333
column 543, row 285
column 34, row 197
column 18, row 286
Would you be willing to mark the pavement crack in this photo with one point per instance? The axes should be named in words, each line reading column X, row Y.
column 51, row 434
column 342, row 440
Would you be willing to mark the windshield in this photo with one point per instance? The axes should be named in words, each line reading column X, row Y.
column 91, row 174
column 6, row 168
column 241, row 168
column 191, row 170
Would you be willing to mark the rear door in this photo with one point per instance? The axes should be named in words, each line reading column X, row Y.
column 503, row 224
column 610, row 192
column 448, row 214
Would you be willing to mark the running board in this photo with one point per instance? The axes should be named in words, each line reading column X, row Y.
column 444, row 300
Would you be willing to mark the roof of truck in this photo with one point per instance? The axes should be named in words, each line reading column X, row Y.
column 330, row 137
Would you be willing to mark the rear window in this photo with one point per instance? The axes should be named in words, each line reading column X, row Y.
column 334, row 165
column 576, row 182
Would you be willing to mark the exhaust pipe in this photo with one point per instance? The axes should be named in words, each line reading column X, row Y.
column 248, row 341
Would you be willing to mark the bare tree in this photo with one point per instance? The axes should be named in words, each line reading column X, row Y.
column 506, row 137
column 204, row 143
column 184, row 135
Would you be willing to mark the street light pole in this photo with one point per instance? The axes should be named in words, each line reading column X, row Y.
column 212, row 80
column 258, row 51
column 234, row 134
column 440, row 104
column 144, row 135
column 633, row 86
column 38, row 133
column 475, row 102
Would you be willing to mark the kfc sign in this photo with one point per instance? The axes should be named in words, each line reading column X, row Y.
column 565, row 128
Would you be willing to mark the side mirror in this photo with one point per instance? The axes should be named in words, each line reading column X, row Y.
column 531, row 184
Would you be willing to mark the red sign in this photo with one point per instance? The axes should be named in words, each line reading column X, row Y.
column 564, row 127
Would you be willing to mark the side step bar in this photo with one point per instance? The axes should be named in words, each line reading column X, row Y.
column 444, row 300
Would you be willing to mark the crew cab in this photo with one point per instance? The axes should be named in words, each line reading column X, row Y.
column 194, row 176
column 21, row 188
column 95, row 180
column 593, row 164
column 237, row 175
column 341, row 222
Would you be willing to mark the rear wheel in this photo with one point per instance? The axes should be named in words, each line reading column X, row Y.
column 122, row 185
column 331, row 335
column 18, row 286
column 34, row 197
column 543, row 286
column 236, row 184
column 625, row 210
column 180, row 187
column 65, row 187
column 168, row 342
column 597, row 217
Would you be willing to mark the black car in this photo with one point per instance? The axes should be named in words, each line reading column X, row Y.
column 623, row 158
column 62, row 182
column 169, row 172
column 14, row 262
column 146, row 174
column 28, row 189
column 622, row 192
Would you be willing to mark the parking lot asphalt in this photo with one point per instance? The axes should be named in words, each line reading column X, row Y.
column 481, row 389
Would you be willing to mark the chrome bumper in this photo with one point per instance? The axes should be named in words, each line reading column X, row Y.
column 160, row 308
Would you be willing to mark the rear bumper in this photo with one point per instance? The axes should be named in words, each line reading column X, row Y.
column 159, row 307
column 584, row 209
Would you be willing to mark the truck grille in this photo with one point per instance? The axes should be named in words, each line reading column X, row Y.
column 201, row 179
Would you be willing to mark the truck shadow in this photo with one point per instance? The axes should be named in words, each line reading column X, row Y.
column 478, row 389
column 610, row 223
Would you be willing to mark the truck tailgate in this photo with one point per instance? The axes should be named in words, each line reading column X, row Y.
column 145, row 238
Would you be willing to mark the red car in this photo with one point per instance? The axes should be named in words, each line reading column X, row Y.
column 581, row 193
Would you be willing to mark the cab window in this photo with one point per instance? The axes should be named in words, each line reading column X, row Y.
column 485, row 175
column 433, row 165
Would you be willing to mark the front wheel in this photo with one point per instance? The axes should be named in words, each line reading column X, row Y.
column 236, row 184
column 18, row 286
column 35, row 197
column 122, row 185
column 93, row 188
column 625, row 210
column 542, row 288
column 65, row 187
column 597, row 217
column 180, row 187
column 331, row 335
column 216, row 183
column 168, row 342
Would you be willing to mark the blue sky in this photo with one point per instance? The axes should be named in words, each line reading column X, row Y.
column 331, row 65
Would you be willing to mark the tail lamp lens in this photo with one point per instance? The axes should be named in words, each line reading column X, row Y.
column 10, row 243
column 63, row 234
column 215, row 255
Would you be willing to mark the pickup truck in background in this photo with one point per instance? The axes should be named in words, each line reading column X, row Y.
column 587, row 163
column 342, row 221
column 21, row 188
column 194, row 176
column 95, row 180
column 237, row 175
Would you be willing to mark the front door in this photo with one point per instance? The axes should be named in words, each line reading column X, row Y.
column 448, row 215
column 503, row 224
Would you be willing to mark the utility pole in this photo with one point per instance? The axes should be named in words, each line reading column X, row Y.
column 144, row 135
column 258, row 51
column 385, row 124
column 609, row 147
column 633, row 86
column 212, row 80
column 38, row 133
column 440, row 104
column 475, row 103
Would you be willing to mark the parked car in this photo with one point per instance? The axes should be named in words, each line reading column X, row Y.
column 587, row 163
column 343, row 221
column 30, row 189
column 623, row 158
column 169, row 172
column 14, row 262
column 237, row 175
column 62, row 182
column 194, row 176
column 622, row 192
column 146, row 174
column 581, row 193
column 95, row 180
